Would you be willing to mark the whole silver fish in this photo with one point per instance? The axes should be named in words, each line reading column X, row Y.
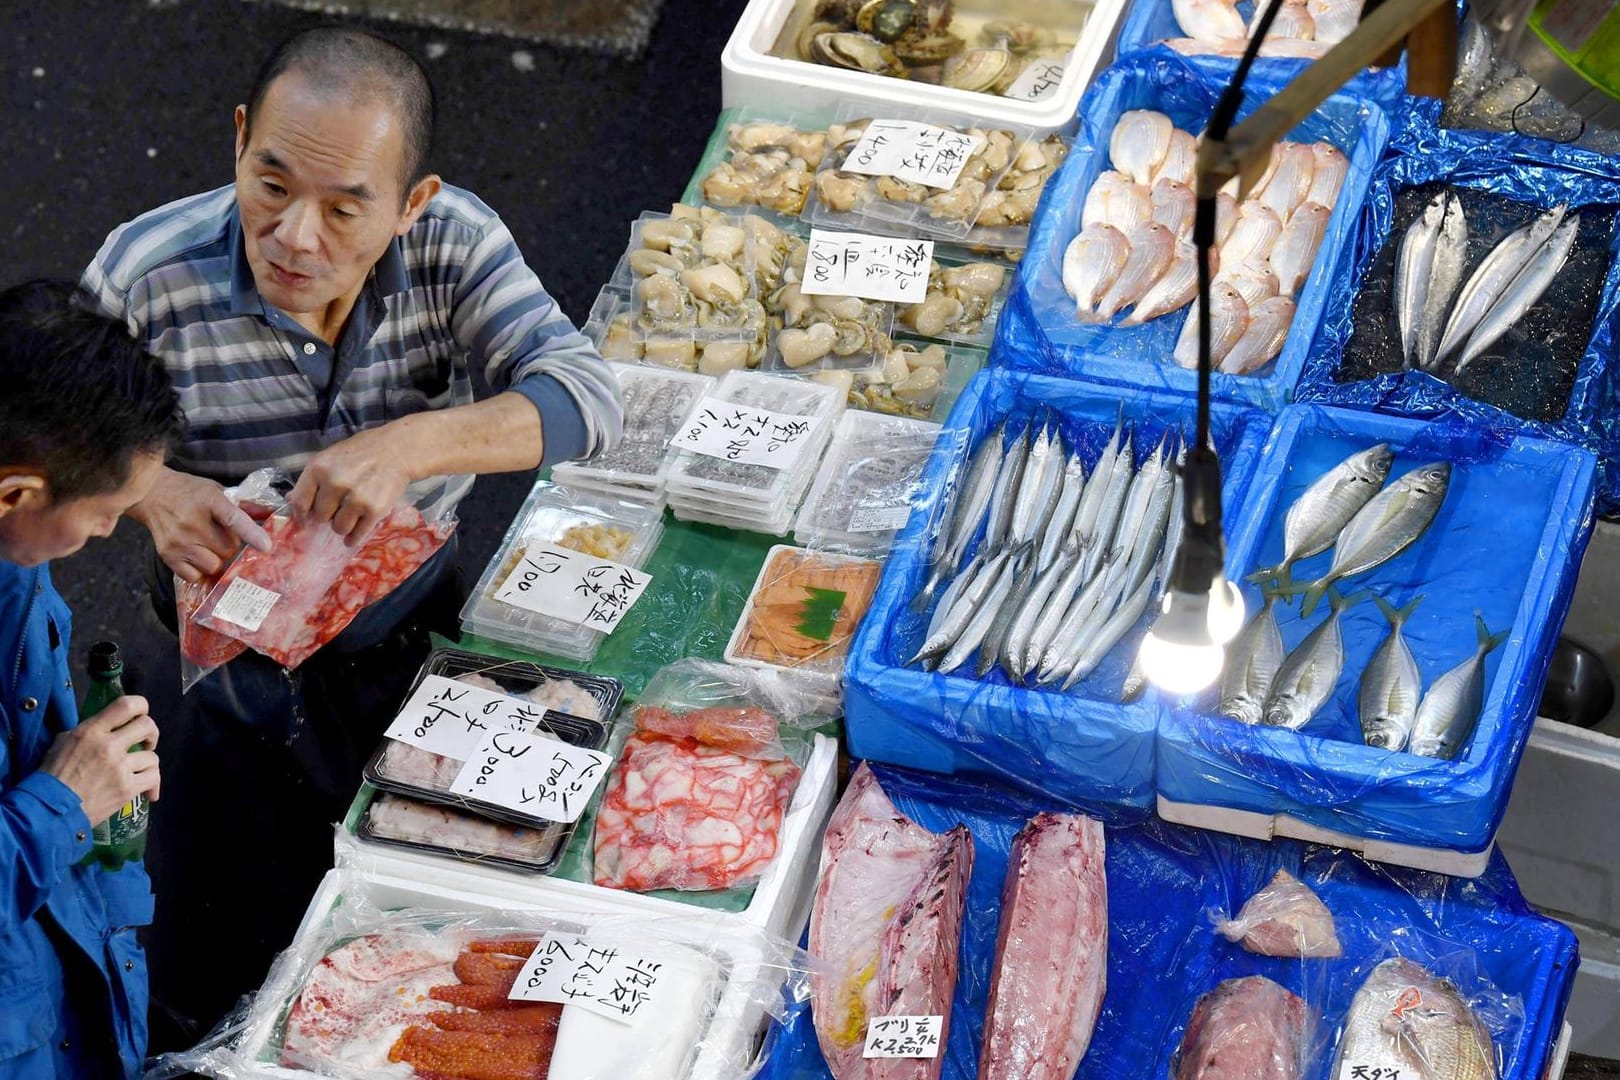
column 1070, row 588
column 985, row 612
column 1038, row 488
column 1101, row 539
column 1406, row 1021
column 962, row 610
column 1038, row 599
column 1127, row 615
column 1522, row 294
column 1005, row 494
column 1390, row 684
column 968, row 508
column 1133, row 517
column 1449, row 711
column 1389, row 524
column 995, row 639
column 1309, row 675
column 1136, row 680
column 1149, row 545
column 1076, row 617
column 1445, row 274
column 1085, row 518
column 1474, row 61
column 948, row 599
column 1080, row 627
column 1251, row 667
column 1059, row 525
column 1414, row 265
column 1491, row 279
column 1178, row 521
column 1326, row 507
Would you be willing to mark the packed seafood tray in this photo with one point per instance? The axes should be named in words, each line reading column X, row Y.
column 802, row 613
column 1119, row 949
column 624, row 531
column 867, row 485
column 1022, row 62
column 743, row 495
column 1108, row 283
column 908, row 702
column 1382, row 702
column 920, row 380
column 695, row 276
column 1539, row 357
column 655, row 403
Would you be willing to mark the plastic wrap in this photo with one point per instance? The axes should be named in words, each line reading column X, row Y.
column 1038, row 330
column 1081, row 746
column 1352, row 364
column 867, row 485
column 802, row 614
column 906, row 388
column 1515, row 967
column 762, row 158
column 694, row 277
column 655, row 403
column 341, row 1002
column 1507, row 544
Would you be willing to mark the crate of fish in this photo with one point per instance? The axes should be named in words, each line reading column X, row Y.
column 1106, row 290
column 1008, row 617
column 1483, row 284
column 1407, row 582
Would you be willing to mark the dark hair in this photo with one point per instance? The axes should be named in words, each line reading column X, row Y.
column 81, row 396
column 338, row 58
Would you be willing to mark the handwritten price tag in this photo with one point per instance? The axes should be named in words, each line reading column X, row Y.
column 572, row 586
column 245, row 604
column 870, row 267
column 531, row 774
column 903, row 1037
column 732, row 432
column 449, row 717
column 1374, row 1072
column 1037, row 82
column 918, row 153
column 598, row 977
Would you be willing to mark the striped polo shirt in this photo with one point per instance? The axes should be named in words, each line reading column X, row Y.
column 259, row 390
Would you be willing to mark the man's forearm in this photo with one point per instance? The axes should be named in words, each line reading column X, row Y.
column 500, row 434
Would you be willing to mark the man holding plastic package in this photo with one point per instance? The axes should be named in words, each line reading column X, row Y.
column 85, row 420
column 322, row 314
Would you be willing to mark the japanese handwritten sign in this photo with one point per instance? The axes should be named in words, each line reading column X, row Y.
column 450, row 718
column 1038, row 81
column 245, row 604
column 733, row 432
column 591, row 975
column 1374, row 1072
column 918, row 153
column 572, row 586
column 871, row 267
column 903, row 1037
column 531, row 774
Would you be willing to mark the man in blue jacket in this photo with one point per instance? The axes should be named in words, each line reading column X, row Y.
column 86, row 418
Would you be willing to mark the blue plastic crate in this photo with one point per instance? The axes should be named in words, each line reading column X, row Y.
column 1165, row 882
column 1507, row 543
column 1038, row 330
column 1080, row 746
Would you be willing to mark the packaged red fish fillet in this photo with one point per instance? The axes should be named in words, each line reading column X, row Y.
column 1284, row 919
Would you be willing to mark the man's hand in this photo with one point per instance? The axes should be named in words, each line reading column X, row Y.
column 355, row 483
column 94, row 759
column 195, row 528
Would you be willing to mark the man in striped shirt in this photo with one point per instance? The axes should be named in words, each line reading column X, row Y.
column 323, row 315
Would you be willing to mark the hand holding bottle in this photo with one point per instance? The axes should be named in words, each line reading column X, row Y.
column 95, row 760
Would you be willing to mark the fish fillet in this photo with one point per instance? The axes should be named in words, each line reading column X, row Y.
column 1244, row 1029
column 1284, row 919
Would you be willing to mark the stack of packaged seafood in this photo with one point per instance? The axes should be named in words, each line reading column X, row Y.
column 655, row 402
column 867, row 484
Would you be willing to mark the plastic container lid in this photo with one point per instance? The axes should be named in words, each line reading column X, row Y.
column 656, row 400
column 867, row 485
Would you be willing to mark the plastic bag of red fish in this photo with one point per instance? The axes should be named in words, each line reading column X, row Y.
column 456, row 992
column 704, row 779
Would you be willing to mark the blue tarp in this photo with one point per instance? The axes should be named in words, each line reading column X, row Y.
column 1081, row 746
column 1507, row 544
column 1165, row 883
column 1038, row 330
column 1529, row 171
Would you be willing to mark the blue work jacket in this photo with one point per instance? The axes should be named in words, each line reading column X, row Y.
column 72, row 977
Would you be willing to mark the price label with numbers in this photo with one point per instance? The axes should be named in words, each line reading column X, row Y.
column 592, row 975
column 871, row 267
column 914, row 152
column 245, row 604
column 1038, row 81
column 572, row 586
column 450, row 718
column 878, row 518
column 741, row 433
column 903, row 1037
column 531, row 774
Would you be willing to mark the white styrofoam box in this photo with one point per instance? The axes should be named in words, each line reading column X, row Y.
column 1560, row 1058
column 750, row 75
column 781, row 901
column 1594, row 1005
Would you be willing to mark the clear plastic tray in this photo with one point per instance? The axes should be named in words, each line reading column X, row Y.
column 546, row 517
column 790, row 309
column 655, row 403
column 418, row 825
column 761, row 159
column 887, row 392
column 785, row 625
column 703, row 264
column 767, row 526
column 871, row 477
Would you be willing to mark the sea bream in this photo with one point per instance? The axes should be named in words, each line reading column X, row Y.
column 1322, row 511
column 1051, row 969
column 1244, row 1029
column 1390, row 523
column 1284, row 919
column 1448, row 713
column 1406, row 1021
column 886, row 928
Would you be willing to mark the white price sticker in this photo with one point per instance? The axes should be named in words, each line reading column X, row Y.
column 450, row 718
column 532, row 774
column 245, row 604
column 572, row 586
column 918, row 153
column 903, row 1037
column 1038, row 81
column 741, row 433
column 590, row 975
column 878, row 518
column 870, row 267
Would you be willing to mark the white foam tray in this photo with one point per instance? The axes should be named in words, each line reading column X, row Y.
column 1560, row 1059
column 750, row 75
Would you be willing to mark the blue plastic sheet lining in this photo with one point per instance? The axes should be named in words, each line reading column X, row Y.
column 1507, row 543
column 1164, row 884
column 1038, row 330
column 1081, row 746
column 1529, row 171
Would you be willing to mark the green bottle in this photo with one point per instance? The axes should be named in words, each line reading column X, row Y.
column 122, row 837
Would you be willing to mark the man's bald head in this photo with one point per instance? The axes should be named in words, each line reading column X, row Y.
column 360, row 67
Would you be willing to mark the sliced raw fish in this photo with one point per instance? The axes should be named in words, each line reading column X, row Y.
column 1210, row 20
column 1262, row 338
column 1173, row 206
column 1051, row 954
column 1091, row 263
column 1140, row 141
column 1244, row 1029
column 1253, row 233
column 1294, row 253
column 1229, row 317
column 1284, row 919
column 1328, row 178
column 1406, row 1021
column 1173, row 290
column 1115, row 199
column 1180, row 159
column 1152, row 246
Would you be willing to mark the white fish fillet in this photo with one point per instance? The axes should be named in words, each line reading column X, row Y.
column 1293, row 21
